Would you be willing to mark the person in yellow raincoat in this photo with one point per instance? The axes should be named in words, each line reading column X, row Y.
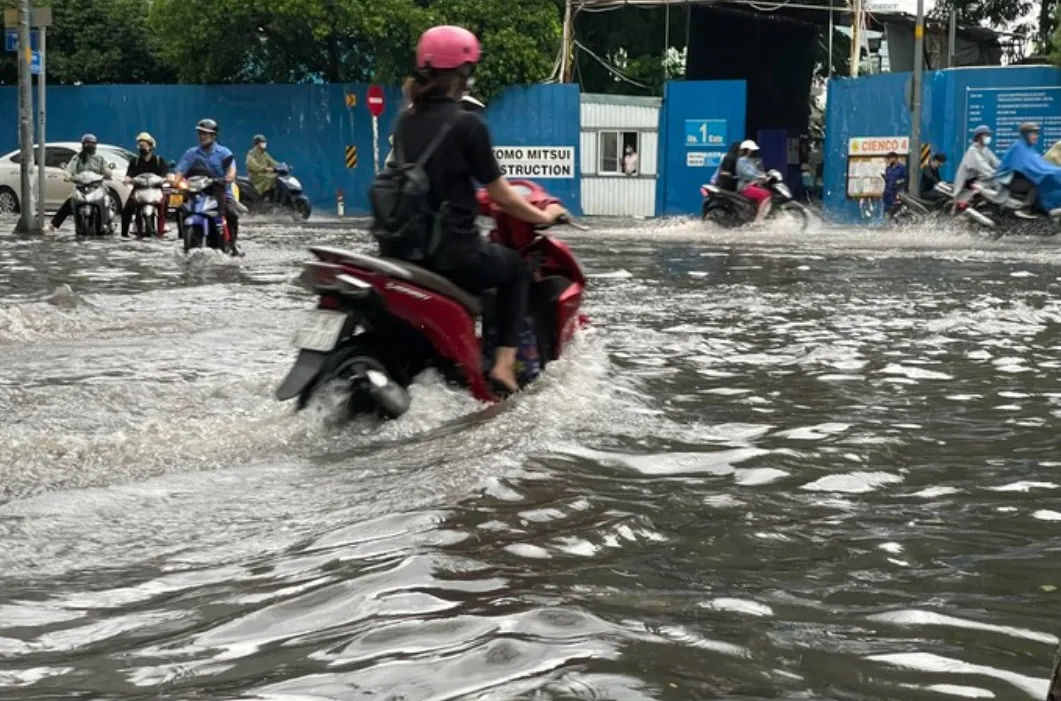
column 1054, row 154
column 261, row 167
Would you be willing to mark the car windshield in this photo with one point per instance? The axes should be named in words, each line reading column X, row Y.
column 118, row 156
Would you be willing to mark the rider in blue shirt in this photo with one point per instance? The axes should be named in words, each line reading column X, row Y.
column 213, row 160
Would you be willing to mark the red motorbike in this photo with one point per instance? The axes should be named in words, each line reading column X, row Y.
column 380, row 322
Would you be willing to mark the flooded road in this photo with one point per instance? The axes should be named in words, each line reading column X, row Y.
column 777, row 467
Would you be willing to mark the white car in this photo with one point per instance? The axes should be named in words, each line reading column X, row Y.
column 56, row 188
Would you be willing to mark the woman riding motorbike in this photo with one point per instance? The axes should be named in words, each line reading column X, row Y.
column 445, row 60
column 147, row 162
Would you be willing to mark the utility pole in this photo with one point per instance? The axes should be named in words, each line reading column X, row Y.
column 914, row 170
column 952, row 37
column 18, row 39
column 25, row 118
column 40, row 129
column 856, row 38
column 567, row 44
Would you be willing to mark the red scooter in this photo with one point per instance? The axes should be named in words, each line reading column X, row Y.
column 380, row 322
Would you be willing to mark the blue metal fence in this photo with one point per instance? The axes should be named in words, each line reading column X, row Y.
column 954, row 103
column 309, row 126
column 698, row 122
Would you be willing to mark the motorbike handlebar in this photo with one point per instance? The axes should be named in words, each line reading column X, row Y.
column 565, row 221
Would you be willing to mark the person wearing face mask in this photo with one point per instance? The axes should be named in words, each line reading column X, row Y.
column 87, row 160
column 978, row 163
column 261, row 167
column 147, row 162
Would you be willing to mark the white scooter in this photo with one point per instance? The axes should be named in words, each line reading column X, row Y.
column 91, row 205
column 147, row 189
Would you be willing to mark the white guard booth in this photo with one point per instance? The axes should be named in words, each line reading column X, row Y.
column 613, row 127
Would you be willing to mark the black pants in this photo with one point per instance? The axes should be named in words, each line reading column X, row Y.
column 488, row 266
column 221, row 195
column 65, row 211
column 129, row 210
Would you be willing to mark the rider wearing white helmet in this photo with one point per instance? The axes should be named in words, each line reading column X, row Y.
column 749, row 175
column 147, row 162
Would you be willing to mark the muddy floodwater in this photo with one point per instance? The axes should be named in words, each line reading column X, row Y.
column 775, row 467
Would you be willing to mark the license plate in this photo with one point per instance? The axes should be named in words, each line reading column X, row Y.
column 175, row 201
column 320, row 331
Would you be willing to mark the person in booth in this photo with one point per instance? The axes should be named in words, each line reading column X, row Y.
column 446, row 57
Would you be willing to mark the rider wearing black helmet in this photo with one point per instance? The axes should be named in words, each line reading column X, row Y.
column 88, row 160
column 213, row 160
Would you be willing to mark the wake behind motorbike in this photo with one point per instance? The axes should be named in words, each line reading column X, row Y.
column 380, row 322
column 1011, row 215
column 200, row 222
column 287, row 195
column 148, row 191
column 731, row 209
column 92, row 205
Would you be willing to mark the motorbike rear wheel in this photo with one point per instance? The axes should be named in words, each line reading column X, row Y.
column 342, row 389
column 721, row 216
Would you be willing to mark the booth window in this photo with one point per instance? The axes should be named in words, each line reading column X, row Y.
column 612, row 146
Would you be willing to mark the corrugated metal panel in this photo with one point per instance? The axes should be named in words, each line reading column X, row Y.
column 589, row 153
column 649, row 155
column 619, row 196
column 611, row 116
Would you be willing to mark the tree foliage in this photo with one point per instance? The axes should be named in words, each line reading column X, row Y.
column 285, row 41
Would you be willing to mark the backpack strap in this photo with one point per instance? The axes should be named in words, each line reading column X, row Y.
column 399, row 152
column 435, row 143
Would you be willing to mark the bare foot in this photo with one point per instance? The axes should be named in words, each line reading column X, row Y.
column 506, row 376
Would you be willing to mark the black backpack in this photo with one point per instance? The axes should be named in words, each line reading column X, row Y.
column 405, row 224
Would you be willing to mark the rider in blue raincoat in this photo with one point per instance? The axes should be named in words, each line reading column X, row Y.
column 1028, row 174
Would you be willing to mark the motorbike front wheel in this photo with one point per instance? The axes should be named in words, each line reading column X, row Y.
column 796, row 212
column 193, row 238
column 302, row 210
column 84, row 225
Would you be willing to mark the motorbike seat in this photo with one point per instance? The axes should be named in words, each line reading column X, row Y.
column 436, row 283
column 402, row 270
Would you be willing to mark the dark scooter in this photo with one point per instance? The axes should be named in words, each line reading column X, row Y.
column 731, row 209
column 287, row 195
column 380, row 322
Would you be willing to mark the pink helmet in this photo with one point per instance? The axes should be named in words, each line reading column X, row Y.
column 446, row 48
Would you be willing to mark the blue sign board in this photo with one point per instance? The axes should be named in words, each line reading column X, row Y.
column 705, row 132
column 35, row 63
column 11, row 40
column 1005, row 109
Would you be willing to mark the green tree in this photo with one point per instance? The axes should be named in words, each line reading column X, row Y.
column 97, row 41
column 232, row 41
column 518, row 47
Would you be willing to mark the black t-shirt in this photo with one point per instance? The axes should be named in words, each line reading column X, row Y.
column 152, row 164
column 466, row 155
column 727, row 172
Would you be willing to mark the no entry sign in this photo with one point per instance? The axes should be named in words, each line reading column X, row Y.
column 375, row 100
